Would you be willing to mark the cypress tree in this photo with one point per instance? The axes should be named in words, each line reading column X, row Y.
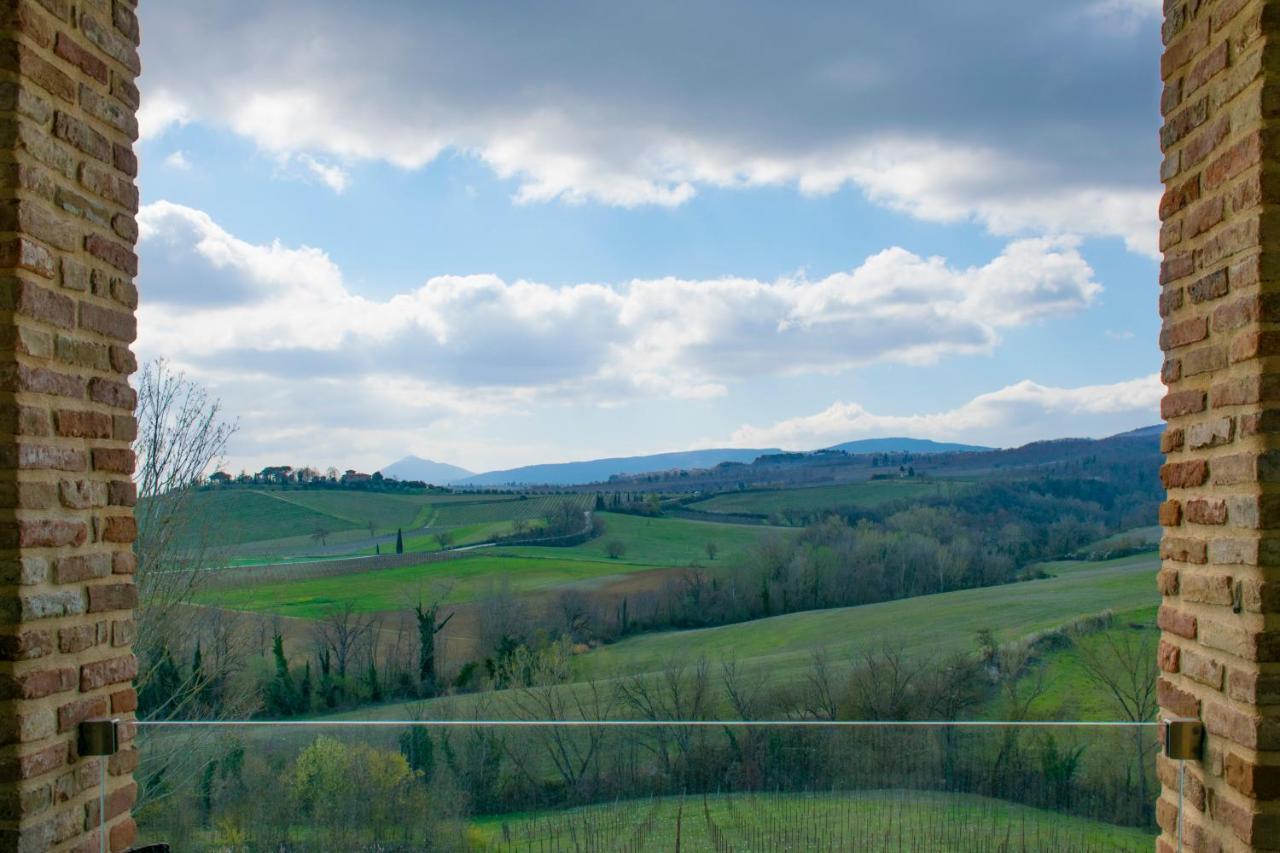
column 399, row 541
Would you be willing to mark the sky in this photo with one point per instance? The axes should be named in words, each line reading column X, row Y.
column 496, row 234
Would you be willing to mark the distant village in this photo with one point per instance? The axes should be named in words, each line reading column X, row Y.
column 308, row 477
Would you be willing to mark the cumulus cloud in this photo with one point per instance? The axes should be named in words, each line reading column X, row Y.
column 1025, row 411
column 178, row 160
column 1024, row 117
column 217, row 301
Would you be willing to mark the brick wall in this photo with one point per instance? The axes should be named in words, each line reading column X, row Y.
column 1220, row 304
column 67, row 299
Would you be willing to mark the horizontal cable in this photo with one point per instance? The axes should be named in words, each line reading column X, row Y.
column 809, row 724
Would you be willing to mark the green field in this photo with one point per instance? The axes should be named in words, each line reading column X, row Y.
column 464, row 579
column 864, row 820
column 236, row 517
column 1069, row 692
column 921, row 625
column 663, row 541
column 866, row 494
column 527, row 509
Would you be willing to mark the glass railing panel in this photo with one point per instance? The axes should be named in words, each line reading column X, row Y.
column 645, row 786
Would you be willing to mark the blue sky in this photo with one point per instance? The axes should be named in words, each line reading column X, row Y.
column 496, row 238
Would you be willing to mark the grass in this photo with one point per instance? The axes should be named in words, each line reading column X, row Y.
column 1069, row 692
column 527, row 509
column 922, row 625
column 866, row 494
column 661, row 541
column 863, row 820
column 465, row 579
column 240, row 516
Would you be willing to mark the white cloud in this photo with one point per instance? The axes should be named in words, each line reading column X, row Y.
column 333, row 176
column 218, row 301
column 950, row 115
column 161, row 110
column 1012, row 415
column 178, row 160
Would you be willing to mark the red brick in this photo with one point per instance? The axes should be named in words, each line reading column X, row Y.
column 119, row 528
column 1180, row 702
column 1181, row 475
column 114, row 596
column 1178, row 197
column 73, row 713
column 1167, row 657
column 50, row 534
column 1207, row 511
column 1179, row 334
column 1176, row 622
column 111, row 393
column 115, row 460
column 1207, row 66
column 1233, row 160
column 1203, row 216
column 80, row 424
column 1179, row 403
column 85, row 60
column 124, row 701
column 118, row 255
column 111, row 671
column 120, row 325
column 1170, row 513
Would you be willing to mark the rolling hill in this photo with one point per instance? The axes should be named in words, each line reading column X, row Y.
column 906, row 445
column 599, row 470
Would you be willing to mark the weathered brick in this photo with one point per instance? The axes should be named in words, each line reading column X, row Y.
column 114, row 596
column 81, row 136
column 1211, row 286
column 1184, row 332
column 1180, row 702
column 117, row 254
column 83, row 567
column 1180, row 403
column 1179, row 475
column 87, row 61
column 1184, row 550
column 119, row 528
column 1206, row 511
column 1210, row 433
column 119, row 49
column 111, row 671
column 118, row 325
column 82, row 424
column 111, row 393
column 1170, row 513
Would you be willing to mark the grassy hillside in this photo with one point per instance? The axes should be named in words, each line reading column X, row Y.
column 865, row 494
column 946, row 621
column 663, row 541
column 393, row 589
column 239, row 516
column 522, row 508
column 864, row 820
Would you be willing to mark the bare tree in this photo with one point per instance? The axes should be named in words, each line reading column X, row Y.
column 182, row 434
column 678, row 691
column 342, row 631
column 1122, row 663
column 321, row 534
column 820, row 697
column 548, row 694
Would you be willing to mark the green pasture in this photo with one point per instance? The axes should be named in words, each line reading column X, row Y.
column 662, row 541
column 865, row 494
column 929, row 624
column 526, row 508
column 862, row 820
column 454, row 581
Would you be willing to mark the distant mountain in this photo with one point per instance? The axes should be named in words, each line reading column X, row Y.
column 598, row 470
column 1142, row 432
column 417, row 468
column 906, row 445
